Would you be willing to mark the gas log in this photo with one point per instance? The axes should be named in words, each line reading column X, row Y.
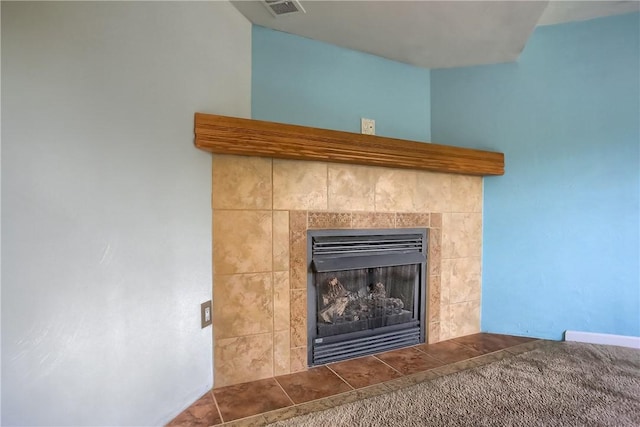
column 342, row 305
column 335, row 300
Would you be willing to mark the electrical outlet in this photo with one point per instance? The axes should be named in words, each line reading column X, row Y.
column 205, row 314
column 368, row 126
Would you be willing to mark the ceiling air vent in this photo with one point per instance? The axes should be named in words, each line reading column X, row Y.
column 283, row 7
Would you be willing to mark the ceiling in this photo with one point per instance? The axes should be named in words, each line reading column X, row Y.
column 430, row 34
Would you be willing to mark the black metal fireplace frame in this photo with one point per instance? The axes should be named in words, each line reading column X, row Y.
column 367, row 341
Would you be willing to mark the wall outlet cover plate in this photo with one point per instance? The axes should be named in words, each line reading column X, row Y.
column 368, row 126
column 205, row 314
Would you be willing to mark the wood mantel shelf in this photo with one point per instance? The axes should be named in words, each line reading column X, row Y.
column 246, row 137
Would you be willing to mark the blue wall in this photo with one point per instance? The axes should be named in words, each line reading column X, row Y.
column 306, row 82
column 561, row 227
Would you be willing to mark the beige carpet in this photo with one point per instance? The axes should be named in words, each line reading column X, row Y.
column 563, row 384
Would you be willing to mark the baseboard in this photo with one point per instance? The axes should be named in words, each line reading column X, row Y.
column 606, row 339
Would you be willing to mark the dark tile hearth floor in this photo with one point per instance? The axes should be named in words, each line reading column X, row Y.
column 265, row 401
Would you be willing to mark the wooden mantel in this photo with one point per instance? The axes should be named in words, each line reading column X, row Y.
column 231, row 135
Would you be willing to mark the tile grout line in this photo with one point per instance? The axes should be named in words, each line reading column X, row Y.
column 243, row 274
column 327, row 186
column 273, row 315
column 239, row 420
column 217, row 406
column 430, row 357
column 374, row 355
column 493, row 351
column 440, row 360
column 338, row 375
column 464, row 345
column 273, row 294
column 285, row 393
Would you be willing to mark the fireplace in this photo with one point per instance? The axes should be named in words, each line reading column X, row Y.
column 262, row 211
column 272, row 183
column 366, row 292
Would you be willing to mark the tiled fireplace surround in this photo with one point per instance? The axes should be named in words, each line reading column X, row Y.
column 262, row 209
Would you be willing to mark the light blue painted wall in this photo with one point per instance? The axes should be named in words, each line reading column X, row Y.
column 561, row 227
column 302, row 81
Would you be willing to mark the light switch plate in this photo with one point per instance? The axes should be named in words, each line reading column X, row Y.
column 205, row 314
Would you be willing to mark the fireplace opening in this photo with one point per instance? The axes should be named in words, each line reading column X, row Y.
column 366, row 292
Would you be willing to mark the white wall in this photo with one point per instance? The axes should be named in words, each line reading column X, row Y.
column 106, row 243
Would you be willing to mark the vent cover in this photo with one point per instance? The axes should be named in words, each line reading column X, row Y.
column 366, row 249
column 283, row 7
column 348, row 349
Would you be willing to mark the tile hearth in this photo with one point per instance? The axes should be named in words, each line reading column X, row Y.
column 261, row 402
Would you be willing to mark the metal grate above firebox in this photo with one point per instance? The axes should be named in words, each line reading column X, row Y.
column 348, row 245
column 346, row 252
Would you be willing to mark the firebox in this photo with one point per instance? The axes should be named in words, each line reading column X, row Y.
column 366, row 292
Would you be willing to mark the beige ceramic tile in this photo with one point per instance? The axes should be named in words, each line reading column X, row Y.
column 297, row 221
column 523, row 348
column 280, row 240
column 445, row 281
column 463, row 365
column 461, row 235
column 351, row 188
column 243, row 359
column 289, row 412
column 395, row 190
column 435, row 251
column 314, row 406
column 299, row 185
column 451, row 368
column 400, row 383
column 340, row 399
column 373, row 220
column 241, row 182
column 444, row 321
column 298, row 259
column 324, row 220
column 281, row 353
column 466, row 193
column 299, row 359
column 424, row 376
column 298, row 318
column 444, row 329
column 436, row 220
column 298, row 249
column 495, row 356
column 281, row 298
column 242, row 305
column 372, row 391
column 254, row 421
column 434, row 333
column 434, row 299
column 242, row 241
column 464, row 319
column 434, row 191
column 406, row 220
column 463, row 276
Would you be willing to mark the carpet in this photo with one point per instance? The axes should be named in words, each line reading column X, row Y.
column 561, row 384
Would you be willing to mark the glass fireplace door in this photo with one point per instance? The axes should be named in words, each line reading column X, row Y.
column 367, row 298
column 366, row 292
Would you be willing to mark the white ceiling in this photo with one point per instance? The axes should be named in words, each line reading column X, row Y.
column 430, row 34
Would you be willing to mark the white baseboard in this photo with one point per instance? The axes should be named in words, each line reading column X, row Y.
column 606, row 339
